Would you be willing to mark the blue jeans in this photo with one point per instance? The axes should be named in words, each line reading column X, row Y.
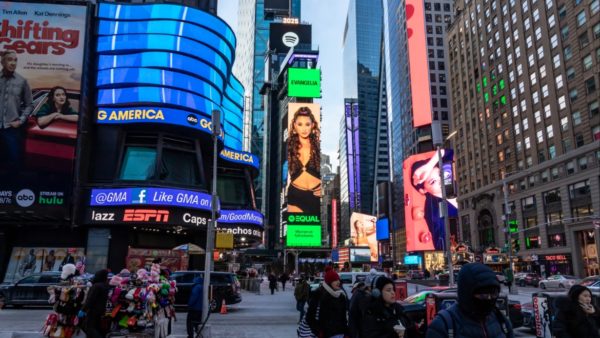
column 300, row 307
column 11, row 149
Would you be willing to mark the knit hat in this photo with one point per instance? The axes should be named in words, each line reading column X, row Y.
column 330, row 275
column 382, row 281
column 575, row 291
column 68, row 271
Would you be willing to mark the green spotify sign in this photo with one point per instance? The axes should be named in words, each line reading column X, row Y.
column 304, row 82
column 303, row 236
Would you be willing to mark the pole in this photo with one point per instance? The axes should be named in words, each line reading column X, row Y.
column 208, row 261
column 507, row 213
column 445, row 216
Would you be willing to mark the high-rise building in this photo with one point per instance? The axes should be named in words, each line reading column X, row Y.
column 362, row 66
column 406, row 138
column 254, row 17
column 524, row 79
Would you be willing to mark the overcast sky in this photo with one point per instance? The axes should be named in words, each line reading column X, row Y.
column 327, row 18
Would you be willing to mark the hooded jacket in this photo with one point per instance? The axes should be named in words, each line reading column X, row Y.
column 331, row 318
column 379, row 321
column 95, row 302
column 572, row 321
column 466, row 322
column 195, row 301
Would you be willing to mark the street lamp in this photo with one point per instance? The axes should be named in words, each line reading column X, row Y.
column 208, row 259
column 445, row 211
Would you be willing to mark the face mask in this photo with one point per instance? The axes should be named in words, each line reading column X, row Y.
column 483, row 307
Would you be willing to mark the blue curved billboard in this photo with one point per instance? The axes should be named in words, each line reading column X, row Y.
column 171, row 58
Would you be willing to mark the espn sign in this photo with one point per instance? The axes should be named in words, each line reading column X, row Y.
column 146, row 215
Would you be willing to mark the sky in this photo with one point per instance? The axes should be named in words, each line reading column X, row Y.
column 327, row 18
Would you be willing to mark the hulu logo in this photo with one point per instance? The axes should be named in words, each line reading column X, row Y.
column 51, row 200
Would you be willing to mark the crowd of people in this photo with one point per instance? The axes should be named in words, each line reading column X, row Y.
column 371, row 310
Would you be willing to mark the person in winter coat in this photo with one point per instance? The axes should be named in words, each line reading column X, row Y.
column 579, row 318
column 95, row 305
column 301, row 293
column 272, row 283
column 359, row 296
column 475, row 314
column 195, row 306
column 283, row 279
column 383, row 317
column 326, row 313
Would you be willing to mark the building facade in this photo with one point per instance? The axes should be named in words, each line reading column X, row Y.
column 524, row 82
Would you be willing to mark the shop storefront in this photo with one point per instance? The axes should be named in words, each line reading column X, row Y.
column 462, row 255
column 555, row 264
column 495, row 259
column 587, row 246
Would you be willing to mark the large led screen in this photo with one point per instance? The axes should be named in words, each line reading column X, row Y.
column 360, row 255
column 304, row 158
column 363, row 229
column 304, row 82
column 303, row 235
column 42, row 50
column 283, row 36
column 422, row 200
column 417, row 56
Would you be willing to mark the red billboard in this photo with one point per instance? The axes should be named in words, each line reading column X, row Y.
column 334, row 236
column 417, row 56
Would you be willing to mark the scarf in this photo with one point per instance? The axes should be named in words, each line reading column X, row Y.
column 332, row 292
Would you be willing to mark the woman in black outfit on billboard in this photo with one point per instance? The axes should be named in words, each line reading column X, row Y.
column 304, row 156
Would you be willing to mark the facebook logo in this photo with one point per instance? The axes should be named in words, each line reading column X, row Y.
column 140, row 194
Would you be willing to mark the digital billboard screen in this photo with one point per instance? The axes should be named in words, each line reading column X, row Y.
column 303, row 235
column 42, row 51
column 363, row 230
column 284, row 36
column 417, row 56
column 304, row 82
column 383, row 229
column 422, row 199
column 360, row 255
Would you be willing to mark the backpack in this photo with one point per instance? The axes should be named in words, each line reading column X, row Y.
column 449, row 320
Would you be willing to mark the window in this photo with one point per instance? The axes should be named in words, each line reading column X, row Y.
column 597, row 31
column 596, row 133
column 590, row 85
column 583, row 163
column 554, row 173
column 583, row 40
column 568, row 53
column 566, row 143
column 549, row 132
column 556, row 60
column 527, row 143
column 570, row 73
column 562, row 104
column 594, row 7
column 571, row 167
column 576, row 118
column 547, row 111
column 562, row 12
column 536, row 97
column 581, row 18
column 564, row 32
column 517, row 129
column 593, row 108
column 543, row 71
column 554, row 41
column 551, row 21
column 573, row 95
column 579, row 141
column 559, row 82
column 540, row 136
column 552, row 151
column 179, row 167
column 529, row 41
column 525, row 124
column 138, row 163
column 564, row 123
column 545, row 176
column 537, row 116
column 580, row 189
column 587, row 62
column 232, row 190
column 532, row 78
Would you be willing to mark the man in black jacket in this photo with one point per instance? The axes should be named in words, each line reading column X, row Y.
column 95, row 304
column 195, row 306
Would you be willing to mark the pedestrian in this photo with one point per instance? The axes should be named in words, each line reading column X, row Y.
column 474, row 314
column 326, row 313
column 95, row 305
column 385, row 318
column 508, row 278
column 427, row 274
column 359, row 296
column 272, row 283
column 15, row 107
column 301, row 293
column 579, row 317
column 283, row 279
column 194, row 315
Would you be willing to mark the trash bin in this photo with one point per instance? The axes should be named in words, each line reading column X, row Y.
column 401, row 289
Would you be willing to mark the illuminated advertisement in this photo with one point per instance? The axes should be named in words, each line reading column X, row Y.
column 42, row 49
column 159, row 56
column 422, row 200
column 304, row 82
column 334, row 225
column 26, row 261
column 145, row 215
column 352, row 153
column 412, row 260
column 303, row 236
column 417, row 59
column 383, row 229
column 363, row 230
column 304, row 158
column 434, row 260
column 361, row 255
column 151, row 196
column 239, row 157
column 541, row 313
column 242, row 216
column 283, row 36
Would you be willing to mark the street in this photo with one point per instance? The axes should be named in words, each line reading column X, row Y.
column 257, row 316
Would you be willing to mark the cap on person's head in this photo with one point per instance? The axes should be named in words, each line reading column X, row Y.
column 330, row 275
column 576, row 290
column 382, row 281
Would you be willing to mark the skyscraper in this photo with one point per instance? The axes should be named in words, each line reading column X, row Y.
column 524, row 79
column 362, row 66
column 253, row 30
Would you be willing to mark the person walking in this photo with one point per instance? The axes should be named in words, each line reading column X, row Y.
column 579, row 317
column 272, row 283
column 95, row 305
column 301, row 293
column 475, row 314
column 326, row 313
column 359, row 295
column 195, row 302
column 283, row 279
column 385, row 318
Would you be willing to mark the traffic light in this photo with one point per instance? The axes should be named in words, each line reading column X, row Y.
column 513, row 226
column 514, row 245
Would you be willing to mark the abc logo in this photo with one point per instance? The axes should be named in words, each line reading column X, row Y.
column 290, row 39
column 25, row 198
column 192, row 119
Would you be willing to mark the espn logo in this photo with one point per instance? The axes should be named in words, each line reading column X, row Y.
column 146, row 215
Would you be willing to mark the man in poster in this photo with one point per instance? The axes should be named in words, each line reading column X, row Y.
column 15, row 107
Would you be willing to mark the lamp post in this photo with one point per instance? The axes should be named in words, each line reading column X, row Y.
column 210, row 229
column 507, row 213
column 445, row 211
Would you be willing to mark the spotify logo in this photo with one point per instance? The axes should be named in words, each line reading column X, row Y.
column 25, row 198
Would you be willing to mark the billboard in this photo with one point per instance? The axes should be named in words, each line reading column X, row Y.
column 284, row 36
column 303, row 235
column 304, row 82
column 383, row 229
column 352, row 152
column 42, row 48
column 360, row 255
column 25, row 261
column 417, row 59
column 422, row 200
column 363, row 230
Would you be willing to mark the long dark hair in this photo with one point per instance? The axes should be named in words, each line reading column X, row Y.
column 294, row 142
column 66, row 106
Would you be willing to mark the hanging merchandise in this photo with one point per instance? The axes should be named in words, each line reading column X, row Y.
column 67, row 299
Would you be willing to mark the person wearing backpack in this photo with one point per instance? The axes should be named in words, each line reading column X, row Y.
column 301, row 293
column 327, row 308
column 475, row 314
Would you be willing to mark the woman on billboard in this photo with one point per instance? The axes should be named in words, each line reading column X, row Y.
column 427, row 181
column 304, row 157
column 56, row 108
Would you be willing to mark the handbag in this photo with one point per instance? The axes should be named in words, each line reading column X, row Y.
column 304, row 330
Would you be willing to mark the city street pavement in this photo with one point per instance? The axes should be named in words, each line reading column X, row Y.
column 260, row 316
